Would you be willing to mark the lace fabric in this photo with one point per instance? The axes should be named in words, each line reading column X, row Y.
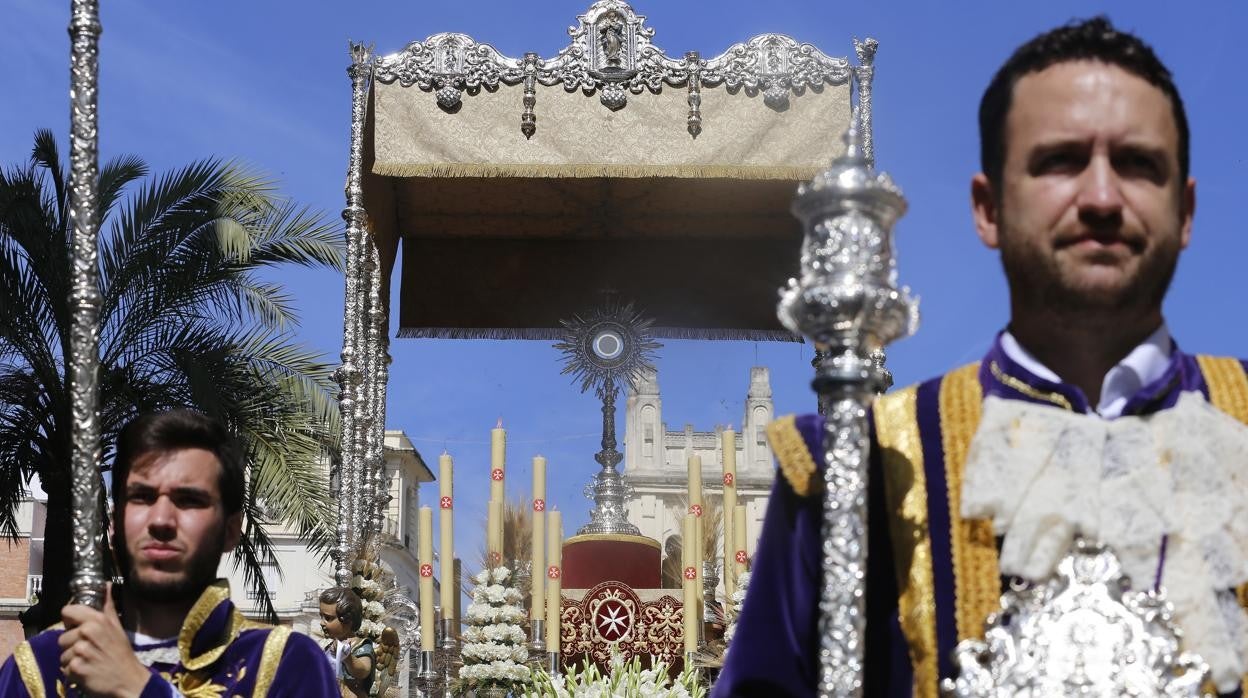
column 1043, row 475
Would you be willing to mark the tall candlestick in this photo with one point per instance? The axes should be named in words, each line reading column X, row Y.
column 494, row 533
column 695, row 486
column 741, row 558
column 537, row 608
column 424, row 552
column 554, row 579
column 729, row 447
column 498, row 460
column 446, row 527
column 689, row 563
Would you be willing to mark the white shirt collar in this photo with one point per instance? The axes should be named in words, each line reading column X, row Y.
column 1146, row 363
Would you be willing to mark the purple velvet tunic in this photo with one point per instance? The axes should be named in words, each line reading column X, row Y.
column 225, row 655
column 775, row 650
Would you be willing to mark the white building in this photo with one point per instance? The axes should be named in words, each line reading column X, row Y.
column 656, row 461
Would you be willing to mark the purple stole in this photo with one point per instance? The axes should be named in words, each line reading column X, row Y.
column 933, row 576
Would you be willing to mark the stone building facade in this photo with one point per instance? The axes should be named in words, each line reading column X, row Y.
column 656, row 461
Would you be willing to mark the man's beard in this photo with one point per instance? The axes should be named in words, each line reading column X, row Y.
column 200, row 571
column 1036, row 281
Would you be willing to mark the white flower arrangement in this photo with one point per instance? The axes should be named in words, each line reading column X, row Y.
column 625, row 680
column 494, row 650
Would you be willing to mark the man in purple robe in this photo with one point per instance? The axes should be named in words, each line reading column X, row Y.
column 1086, row 193
column 170, row 630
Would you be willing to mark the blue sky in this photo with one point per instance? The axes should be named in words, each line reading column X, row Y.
column 266, row 83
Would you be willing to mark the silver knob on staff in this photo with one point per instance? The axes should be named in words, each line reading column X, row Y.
column 848, row 303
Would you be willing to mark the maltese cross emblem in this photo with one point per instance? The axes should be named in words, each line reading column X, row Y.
column 539, row 505
column 728, row 479
column 742, row 557
column 426, row 570
column 496, row 474
column 695, row 509
column 691, row 573
column 445, row 503
column 553, row 572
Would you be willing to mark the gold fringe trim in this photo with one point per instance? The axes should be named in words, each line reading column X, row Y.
column 905, row 489
column 593, row 170
column 217, row 593
column 28, row 669
column 796, row 464
column 270, row 659
column 977, row 576
column 1228, row 385
column 553, row 333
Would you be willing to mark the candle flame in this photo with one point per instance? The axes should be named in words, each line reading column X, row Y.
column 500, row 423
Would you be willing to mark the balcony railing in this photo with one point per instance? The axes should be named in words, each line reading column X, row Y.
column 34, row 587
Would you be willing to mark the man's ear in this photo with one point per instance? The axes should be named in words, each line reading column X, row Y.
column 1188, row 211
column 233, row 530
column 984, row 210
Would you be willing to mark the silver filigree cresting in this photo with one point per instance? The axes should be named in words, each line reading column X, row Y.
column 602, row 349
column 87, row 585
column 611, row 54
column 1081, row 633
column 848, row 303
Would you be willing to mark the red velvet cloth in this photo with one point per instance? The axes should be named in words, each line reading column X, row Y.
column 591, row 559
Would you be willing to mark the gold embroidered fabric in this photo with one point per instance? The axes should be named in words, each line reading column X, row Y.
column 796, row 464
column 217, row 593
column 905, row 488
column 977, row 579
column 270, row 658
column 28, row 669
column 1228, row 385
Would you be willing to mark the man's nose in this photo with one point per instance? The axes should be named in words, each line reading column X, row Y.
column 162, row 517
column 1100, row 191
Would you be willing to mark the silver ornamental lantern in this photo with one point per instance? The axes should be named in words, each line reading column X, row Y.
column 848, row 303
column 606, row 347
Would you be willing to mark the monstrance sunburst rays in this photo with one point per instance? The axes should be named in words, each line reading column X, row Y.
column 607, row 346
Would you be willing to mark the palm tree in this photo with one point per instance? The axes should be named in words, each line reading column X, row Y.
column 186, row 320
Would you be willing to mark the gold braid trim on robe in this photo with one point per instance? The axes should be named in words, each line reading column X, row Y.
column 28, row 669
column 270, row 659
column 977, row 577
column 1228, row 391
column 796, row 464
column 905, row 490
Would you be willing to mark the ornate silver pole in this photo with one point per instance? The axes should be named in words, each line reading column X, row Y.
column 608, row 488
column 87, row 584
column 349, row 373
column 864, row 73
column 848, row 301
column 376, row 378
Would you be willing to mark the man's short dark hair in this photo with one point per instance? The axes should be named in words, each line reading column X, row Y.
column 347, row 606
column 1093, row 39
column 174, row 430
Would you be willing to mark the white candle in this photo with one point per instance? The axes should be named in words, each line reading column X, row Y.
column 554, row 579
column 446, row 524
column 425, row 556
column 689, row 572
column 537, row 607
column 729, row 447
column 494, row 533
column 741, row 558
column 498, row 460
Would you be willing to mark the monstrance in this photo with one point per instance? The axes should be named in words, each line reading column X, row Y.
column 603, row 348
